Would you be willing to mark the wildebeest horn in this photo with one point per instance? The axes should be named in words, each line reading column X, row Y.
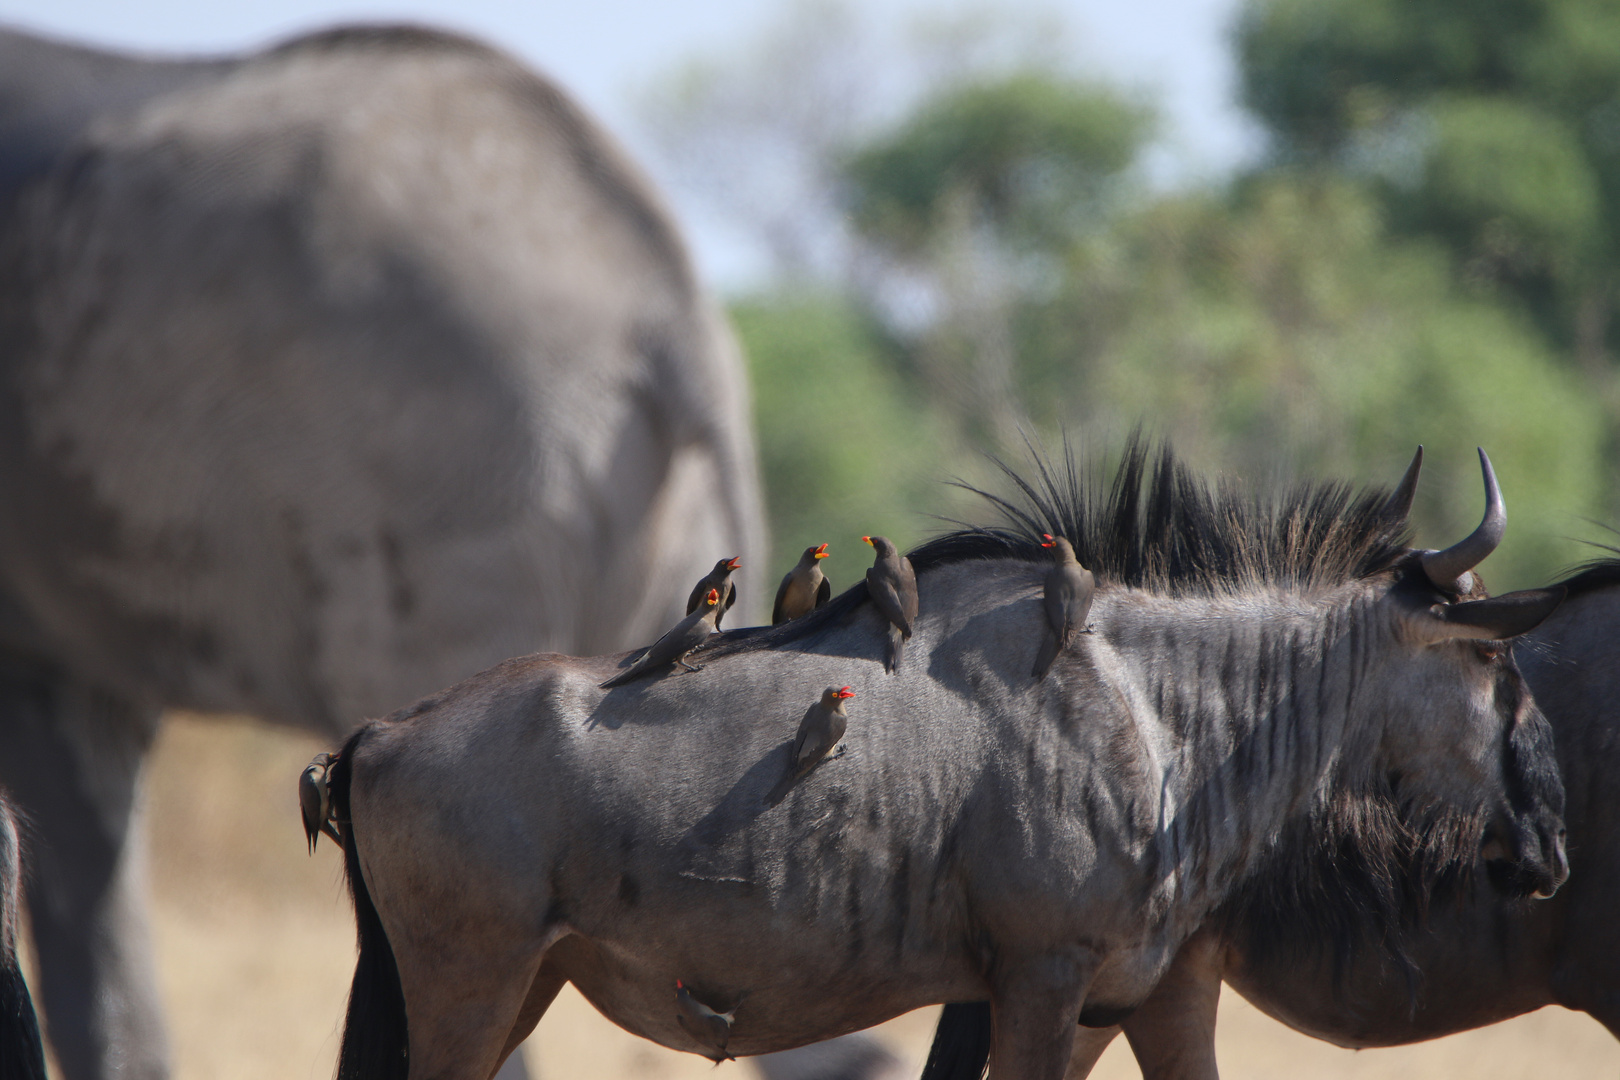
column 1446, row 568
column 1399, row 506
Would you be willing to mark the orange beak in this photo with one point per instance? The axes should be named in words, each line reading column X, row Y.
column 846, row 692
column 821, row 552
column 1049, row 541
column 734, row 563
column 868, row 539
column 713, row 598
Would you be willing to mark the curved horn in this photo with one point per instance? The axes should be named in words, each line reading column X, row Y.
column 1445, row 568
column 1399, row 506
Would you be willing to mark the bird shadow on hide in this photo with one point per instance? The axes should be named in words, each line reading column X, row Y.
column 743, row 803
column 978, row 648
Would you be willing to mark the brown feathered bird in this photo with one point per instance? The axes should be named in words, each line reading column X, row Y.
column 804, row 588
column 674, row 646
column 1069, row 589
column 712, row 1029
column 315, row 802
column 823, row 725
column 719, row 578
column 892, row 584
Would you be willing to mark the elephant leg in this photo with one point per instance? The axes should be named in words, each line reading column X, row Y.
column 1035, row 1008
column 72, row 758
column 1172, row 1034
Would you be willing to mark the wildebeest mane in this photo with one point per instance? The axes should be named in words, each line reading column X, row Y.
column 1153, row 525
column 1594, row 575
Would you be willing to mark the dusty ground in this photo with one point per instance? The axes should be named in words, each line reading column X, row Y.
column 255, row 947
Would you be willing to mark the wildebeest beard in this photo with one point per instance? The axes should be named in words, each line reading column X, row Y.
column 1362, row 871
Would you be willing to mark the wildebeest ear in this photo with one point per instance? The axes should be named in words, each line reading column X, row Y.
column 1499, row 617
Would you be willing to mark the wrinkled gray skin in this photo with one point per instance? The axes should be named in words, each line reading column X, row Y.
column 328, row 376
column 1486, row 961
column 1046, row 845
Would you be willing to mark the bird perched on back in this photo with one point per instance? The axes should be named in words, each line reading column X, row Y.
column 712, row 1029
column 315, row 802
column 719, row 578
column 1069, row 588
column 892, row 584
column 674, row 646
column 823, row 725
column 803, row 589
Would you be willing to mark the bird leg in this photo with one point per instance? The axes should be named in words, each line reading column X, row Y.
column 690, row 667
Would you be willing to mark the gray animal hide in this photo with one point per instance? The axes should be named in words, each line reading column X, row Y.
column 328, row 376
column 1470, row 963
column 1043, row 844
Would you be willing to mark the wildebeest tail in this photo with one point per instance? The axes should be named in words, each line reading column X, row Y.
column 376, row 1043
column 22, row 1056
column 961, row 1049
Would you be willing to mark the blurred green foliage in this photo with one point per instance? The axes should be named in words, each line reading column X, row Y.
column 1428, row 256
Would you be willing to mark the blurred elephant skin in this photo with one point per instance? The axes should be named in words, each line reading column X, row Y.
column 329, row 375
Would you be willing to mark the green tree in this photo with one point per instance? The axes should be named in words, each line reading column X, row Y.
column 1493, row 125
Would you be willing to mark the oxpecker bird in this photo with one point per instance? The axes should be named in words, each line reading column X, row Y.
column 718, row 578
column 892, row 584
column 674, row 646
column 712, row 1029
column 823, row 725
column 804, row 589
column 1069, row 588
column 315, row 803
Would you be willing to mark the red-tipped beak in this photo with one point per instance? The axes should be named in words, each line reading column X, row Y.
column 734, row 563
column 846, row 692
column 679, row 985
column 821, row 552
column 868, row 539
column 713, row 597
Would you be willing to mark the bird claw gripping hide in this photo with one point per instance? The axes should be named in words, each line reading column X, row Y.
column 315, row 802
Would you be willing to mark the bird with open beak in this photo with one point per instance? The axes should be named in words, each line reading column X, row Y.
column 804, row 588
column 719, row 578
column 1068, row 593
column 892, row 584
column 676, row 644
column 824, row 723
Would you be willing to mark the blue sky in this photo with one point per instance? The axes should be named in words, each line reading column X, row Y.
column 604, row 50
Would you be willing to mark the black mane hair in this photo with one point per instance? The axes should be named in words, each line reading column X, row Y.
column 1591, row 576
column 1154, row 525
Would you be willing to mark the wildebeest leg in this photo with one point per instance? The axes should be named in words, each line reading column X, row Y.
column 463, row 992
column 542, row 992
column 72, row 759
column 1089, row 1044
column 1173, row 1033
column 1035, row 1005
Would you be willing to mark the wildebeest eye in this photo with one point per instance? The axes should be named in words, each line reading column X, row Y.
column 1490, row 650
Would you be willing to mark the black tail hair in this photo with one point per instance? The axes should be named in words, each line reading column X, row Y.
column 22, row 1054
column 376, row 1042
column 961, row 1049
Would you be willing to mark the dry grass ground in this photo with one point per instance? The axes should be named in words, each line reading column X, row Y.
column 255, row 950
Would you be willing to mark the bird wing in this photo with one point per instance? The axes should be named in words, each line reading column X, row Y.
column 888, row 598
column 781, row 596
column 699, row 591
column 908, row 592
column 823, row 591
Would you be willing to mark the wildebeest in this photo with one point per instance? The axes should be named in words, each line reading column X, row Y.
column 1387, row 978
column 1047, row 845
column 328, row 376
column 21, row 1055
